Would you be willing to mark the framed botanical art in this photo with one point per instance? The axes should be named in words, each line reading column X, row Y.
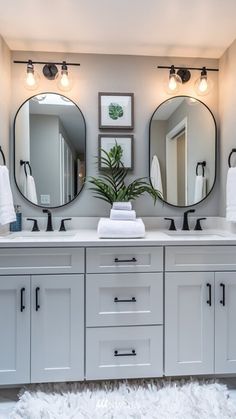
column 107, row 141
column 116, row 110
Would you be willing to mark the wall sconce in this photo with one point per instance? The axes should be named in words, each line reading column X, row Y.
column 50, row 72
column 202, row 85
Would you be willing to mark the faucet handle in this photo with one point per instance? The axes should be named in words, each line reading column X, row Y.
column 198, row 224
column 172, row 223
column 62, row 226
column 35, row 225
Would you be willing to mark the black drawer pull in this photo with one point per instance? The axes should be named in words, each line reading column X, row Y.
column 116, row 260
column 209, row 298
column 133, row 353
column 37, row 305
column 223, row 294
column 22, row 305
column 132, row 300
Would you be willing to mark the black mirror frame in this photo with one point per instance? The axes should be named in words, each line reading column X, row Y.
column 14, row 150
column 216, row 145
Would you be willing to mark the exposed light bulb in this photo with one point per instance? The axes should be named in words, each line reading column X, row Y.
column 203, row 84
column 64, row 82
column 174, row 81
column 31, row 79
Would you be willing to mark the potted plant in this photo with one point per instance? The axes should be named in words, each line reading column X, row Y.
column 111, row 185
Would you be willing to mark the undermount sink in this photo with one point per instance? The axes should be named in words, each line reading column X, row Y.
column 40, row 235
column 196, row 234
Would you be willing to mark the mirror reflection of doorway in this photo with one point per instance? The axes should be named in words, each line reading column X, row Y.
column 176, row 164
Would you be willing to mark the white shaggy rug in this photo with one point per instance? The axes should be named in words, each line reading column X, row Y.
column 127, row 400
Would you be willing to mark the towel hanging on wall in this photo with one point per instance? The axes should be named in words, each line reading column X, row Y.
column 7, row 211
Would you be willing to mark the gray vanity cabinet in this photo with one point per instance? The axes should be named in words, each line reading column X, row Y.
column 225, row 322
column 57, row 328
column 189, row 323
column 41, row 315
column 14, row 329
column 200, row 310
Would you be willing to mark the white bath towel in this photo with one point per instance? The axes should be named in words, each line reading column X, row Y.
column 114, row 229
column 231, row 195
column 156, row 174
column 122, row 215
column 199, row 188
column 30, row 189
column 7, row 212
column 126, row 206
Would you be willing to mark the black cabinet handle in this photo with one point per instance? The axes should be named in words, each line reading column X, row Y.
column 22, row 305
column 133, row 353
column 116, row 260
column 37, row 305
column 132, row 300
column 223, row 294
column 209, row 298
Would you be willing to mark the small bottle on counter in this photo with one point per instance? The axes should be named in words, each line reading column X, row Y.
column 17, row 225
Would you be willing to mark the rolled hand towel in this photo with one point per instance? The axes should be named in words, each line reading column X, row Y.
column 113, row 229
column 122, row 215
column 126, row 206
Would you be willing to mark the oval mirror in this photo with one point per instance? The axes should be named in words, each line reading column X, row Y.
column 182, row 150
column 49, row 150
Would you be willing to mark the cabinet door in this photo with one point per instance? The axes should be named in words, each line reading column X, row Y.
column 14, row 329
column 189, row 323
column 57, row 335
column 225, row 316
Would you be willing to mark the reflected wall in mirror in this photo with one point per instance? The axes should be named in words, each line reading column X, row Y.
column 182, row 144
column 49, row 150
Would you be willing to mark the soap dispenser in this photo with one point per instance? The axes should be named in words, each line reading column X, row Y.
column 17, row 225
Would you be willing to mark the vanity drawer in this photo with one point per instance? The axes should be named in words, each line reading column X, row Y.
column 124, row 299
column 200, row 258
column 124, row 352
column 41, row 260
column 124, row 259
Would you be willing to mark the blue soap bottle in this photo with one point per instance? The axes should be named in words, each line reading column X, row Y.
column 17, row 225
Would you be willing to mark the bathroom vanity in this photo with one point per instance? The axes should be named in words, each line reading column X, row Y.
column 82, row 308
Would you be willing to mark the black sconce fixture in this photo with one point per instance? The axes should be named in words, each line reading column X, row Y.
column 202, row 85
column 50, row 72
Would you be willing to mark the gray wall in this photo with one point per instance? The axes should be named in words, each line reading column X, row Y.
column 227, row 109
column 115, row 73
column 5, row 97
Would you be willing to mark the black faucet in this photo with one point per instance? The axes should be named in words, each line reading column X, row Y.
column 185, row 221
column 49, row 223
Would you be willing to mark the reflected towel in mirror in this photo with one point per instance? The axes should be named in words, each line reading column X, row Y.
column 30, row 189
column 156, row 174
column 7, row 212
column 200, row 188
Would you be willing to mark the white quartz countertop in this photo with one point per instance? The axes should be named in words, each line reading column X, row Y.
column 89, row 238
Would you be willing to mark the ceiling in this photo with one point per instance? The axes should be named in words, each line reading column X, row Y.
column 185, row 28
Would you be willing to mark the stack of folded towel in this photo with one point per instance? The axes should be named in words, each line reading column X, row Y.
column 122, row 223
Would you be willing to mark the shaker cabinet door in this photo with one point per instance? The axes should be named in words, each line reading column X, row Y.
column 57, row 328
column 14, row 329
column 225, row 328
column 189, row 323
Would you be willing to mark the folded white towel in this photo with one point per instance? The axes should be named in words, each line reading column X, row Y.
column 31, row 194
column 7, row 212
column 156, row 174
column 122, row 215
column 126, row 206
column 114, row 229
column 231, row 195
